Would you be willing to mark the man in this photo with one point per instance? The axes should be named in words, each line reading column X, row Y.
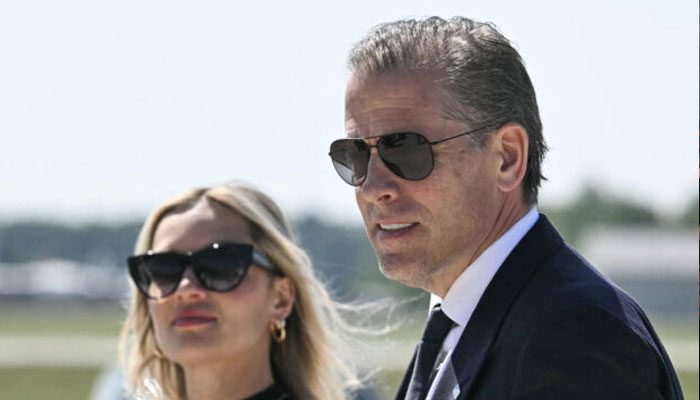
column 444, row 147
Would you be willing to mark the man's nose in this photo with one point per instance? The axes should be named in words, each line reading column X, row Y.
column 381, row 185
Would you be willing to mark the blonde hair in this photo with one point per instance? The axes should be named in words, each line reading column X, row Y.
column 310, row 362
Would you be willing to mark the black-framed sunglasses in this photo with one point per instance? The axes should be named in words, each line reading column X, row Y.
column 219, row 267
column 407, row 154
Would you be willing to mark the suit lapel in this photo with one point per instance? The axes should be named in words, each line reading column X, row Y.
column 532, row 251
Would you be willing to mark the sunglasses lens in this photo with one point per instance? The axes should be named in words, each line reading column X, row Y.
column 350, row 158
column 156, row 276
column 220, row 268
column 408, row 155
column 223, row 268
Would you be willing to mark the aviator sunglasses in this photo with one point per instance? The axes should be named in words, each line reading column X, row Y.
column 219, row 267
column 408, row 155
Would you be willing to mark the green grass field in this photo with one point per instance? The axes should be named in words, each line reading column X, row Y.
column 58, row 382
column 30, row 383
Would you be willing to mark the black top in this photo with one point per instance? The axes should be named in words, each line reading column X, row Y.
column 273, row 392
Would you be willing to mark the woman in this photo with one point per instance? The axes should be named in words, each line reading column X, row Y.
column 226, row 306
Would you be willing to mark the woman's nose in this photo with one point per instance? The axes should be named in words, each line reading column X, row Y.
column 189, row 287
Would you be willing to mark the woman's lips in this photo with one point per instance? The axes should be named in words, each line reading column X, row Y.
column 192, row 317
column 192, row 321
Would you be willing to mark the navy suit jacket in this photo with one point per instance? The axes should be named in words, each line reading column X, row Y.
column 549, row 326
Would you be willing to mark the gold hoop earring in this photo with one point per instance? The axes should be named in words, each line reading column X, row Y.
column 278, row 330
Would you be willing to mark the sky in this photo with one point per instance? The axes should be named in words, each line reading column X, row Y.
column 109, row 108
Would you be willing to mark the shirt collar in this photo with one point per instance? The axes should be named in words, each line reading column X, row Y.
column 467, row 289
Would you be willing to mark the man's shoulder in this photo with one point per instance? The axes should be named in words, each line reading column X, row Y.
column 561, row 276
column 568, row 301
column 567, row 284
column 545, row 277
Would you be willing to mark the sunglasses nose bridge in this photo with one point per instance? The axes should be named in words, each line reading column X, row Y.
column 189, row 282
column 373, row 150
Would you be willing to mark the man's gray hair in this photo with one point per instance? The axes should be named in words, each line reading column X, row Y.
column 485, row 81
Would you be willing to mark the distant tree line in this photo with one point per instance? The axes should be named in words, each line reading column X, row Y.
column 596, row 207
column 99, row 244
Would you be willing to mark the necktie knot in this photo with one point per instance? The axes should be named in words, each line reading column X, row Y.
column 437, row 326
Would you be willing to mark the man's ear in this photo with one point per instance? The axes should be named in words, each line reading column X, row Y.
column 283, row 295
column 511, row 144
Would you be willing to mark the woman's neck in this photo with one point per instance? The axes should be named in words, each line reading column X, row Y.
column 228, row 380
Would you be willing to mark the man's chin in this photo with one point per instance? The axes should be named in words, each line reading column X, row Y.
column 408, row 273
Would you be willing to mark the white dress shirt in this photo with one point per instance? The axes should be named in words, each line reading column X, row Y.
column 467, row 289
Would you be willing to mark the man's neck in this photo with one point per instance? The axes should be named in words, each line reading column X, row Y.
column 509, row 215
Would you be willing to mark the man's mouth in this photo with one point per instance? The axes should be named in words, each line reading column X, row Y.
column 395, row 227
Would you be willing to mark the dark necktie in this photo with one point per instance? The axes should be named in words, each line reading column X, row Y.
column 434, row 334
